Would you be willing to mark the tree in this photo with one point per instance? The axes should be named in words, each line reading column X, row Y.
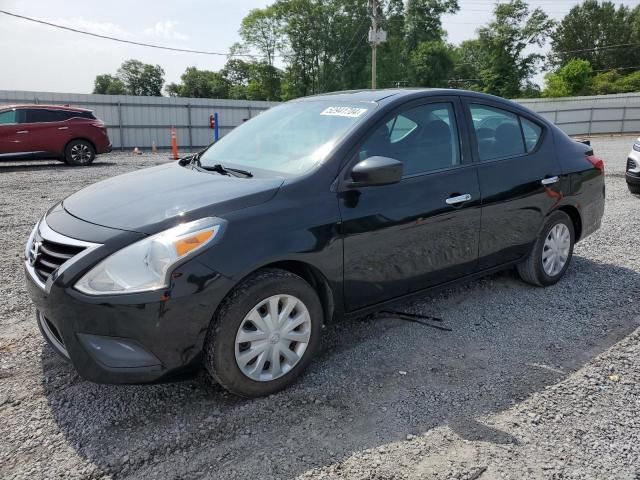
column 590, row 30
column 574, row 78
column 141, row 78
column 470, row 58
column 513, row 32
column 423, row 22
column 252, row 80
column 108, row 85
column 200, row 84
column 431, row 64
column 262, row 29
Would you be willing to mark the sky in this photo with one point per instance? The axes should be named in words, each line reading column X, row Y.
column 41, row 58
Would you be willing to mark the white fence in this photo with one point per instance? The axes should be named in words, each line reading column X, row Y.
column 139, row 121
column 589, row 115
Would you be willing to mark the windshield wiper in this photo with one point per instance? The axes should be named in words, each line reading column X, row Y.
column 194, row 162
column 221, row 169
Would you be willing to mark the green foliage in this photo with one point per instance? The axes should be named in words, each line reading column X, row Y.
column 574, row 78
column 109, row 85
column 422, row 20
column 506, row 41
column 591, row 25
column 200, row 84
column 262, row 29
column 141, row 78
column 431, row 64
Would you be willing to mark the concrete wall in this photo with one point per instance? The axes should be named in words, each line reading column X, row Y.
column 139, row 121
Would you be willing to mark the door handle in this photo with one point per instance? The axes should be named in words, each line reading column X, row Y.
column 63, row 128
column 458, row 199
column 23, row 131
column 549, row 181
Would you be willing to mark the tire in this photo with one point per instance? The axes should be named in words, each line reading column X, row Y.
column 79, row 153
column 224, row 351
column 534, row 270
column 635, row 189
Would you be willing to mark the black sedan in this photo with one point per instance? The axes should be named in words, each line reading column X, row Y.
column 320, row 208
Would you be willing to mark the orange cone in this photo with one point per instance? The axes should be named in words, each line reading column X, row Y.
column 136, row 151
column 174, row 143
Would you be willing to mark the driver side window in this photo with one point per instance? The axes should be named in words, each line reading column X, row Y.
column 423, row 138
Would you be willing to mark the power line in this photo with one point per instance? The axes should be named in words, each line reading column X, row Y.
column 121, row 40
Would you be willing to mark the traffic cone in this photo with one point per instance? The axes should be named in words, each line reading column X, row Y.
column 174, row 143
column 154, row 149
column 136, row 151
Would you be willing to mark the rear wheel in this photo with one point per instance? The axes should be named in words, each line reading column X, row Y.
column 79, row 153
column 635, row 189
column 265, row 334
column 551, row 253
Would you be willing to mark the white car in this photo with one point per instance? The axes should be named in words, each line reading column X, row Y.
column 633, row 168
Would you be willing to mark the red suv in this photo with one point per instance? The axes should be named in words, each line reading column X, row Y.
column 71, row 134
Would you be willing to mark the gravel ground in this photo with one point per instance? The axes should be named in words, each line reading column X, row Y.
column 528, row 383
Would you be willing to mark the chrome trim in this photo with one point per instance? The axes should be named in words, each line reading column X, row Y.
column 47, row 233
column 459, row 199
column 51, row 337
column 549, row 181
column 23, row 131
column 63, row 128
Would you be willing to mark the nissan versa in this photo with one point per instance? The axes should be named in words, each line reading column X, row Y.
column 320, row 208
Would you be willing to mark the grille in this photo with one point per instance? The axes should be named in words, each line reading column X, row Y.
column 51, row 255
column 631, row 164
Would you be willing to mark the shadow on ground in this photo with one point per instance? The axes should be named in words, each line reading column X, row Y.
column 375, row 382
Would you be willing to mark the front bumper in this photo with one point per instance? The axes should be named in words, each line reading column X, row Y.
column 133, row 338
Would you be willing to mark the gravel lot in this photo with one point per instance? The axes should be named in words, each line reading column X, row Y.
column 529, row 383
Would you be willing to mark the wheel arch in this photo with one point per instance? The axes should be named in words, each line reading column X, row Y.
column 576, row 219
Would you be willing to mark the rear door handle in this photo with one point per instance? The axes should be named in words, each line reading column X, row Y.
column 23, row 131
column 458, row 199
column 63, row 128
column 549, row 181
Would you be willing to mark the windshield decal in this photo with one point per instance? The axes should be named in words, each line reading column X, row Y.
column 350, row 112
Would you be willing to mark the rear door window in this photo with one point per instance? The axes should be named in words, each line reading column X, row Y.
column 8, row 117
column 532, row 133
column 498, row 132
column 42, row 115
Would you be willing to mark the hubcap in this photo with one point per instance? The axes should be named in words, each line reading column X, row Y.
column 80, row 153
column 555, row 251
column 273, row 337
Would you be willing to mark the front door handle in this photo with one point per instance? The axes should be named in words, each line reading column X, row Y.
column 63, row 128
column 549, row 181
column 23, row 131
column 458, row 199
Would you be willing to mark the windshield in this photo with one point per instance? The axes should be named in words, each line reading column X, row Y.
column 290, row 139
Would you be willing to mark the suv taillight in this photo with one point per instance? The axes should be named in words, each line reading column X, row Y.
column 596, row 162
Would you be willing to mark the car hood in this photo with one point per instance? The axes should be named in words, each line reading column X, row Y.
column 151, row 199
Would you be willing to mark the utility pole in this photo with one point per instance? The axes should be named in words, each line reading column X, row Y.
column 376, row 36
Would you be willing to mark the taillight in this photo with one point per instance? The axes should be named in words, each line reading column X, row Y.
column 596, row 162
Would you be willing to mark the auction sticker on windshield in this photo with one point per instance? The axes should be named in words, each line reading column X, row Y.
column 351, row 112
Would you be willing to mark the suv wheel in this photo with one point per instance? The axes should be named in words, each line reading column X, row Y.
column 551, row 253
column 264, row 334
column 635, row 189
column 79, row 153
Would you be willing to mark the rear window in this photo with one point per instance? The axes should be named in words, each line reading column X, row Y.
column 41, row 115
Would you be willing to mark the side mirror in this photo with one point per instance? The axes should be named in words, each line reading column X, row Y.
column 375, row 171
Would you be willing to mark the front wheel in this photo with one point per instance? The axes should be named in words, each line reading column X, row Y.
column 264, row 334
column 551, row 253
column 79, row 153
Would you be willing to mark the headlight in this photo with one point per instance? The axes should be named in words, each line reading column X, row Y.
column 147, row 264
column 636, row 146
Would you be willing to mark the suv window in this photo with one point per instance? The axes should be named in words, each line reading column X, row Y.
column 42, row 115
column 8, row 116
column 424, row 138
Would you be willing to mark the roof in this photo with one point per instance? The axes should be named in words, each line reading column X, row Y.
column 43, row 105
column 392, row 94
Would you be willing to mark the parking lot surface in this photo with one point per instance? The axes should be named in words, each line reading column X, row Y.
column 524, row 382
